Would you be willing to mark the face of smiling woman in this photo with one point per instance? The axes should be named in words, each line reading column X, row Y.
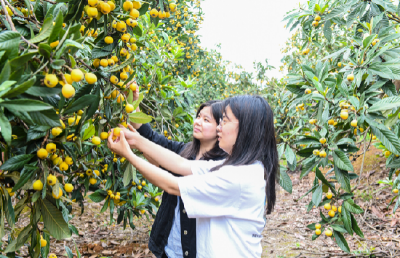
column 228, row 131
column 205, row 126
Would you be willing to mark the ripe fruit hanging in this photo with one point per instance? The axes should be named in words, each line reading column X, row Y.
column 322, row 140
column 90, row 78
column 350, row 77
column 129, row 108
column 63, row 166
column 51, row 180
column 60, row 193
column 37, row 185
column 42, row 153
column 43, row 242
column 322, row 154
column 154, row 13
column 92, row 181
column 76, row 75
column 127, row 6
column 51, row 147
column 96, row 140
column 56, row 131
column 344, row 115
column 328, row 233
column 134, row 14
column 318, row 232
column 50, row 80
column 68, row 91
column 354, row 123
column 327, row 206
column 331, row 213
column 104, row 135
column 108, row 40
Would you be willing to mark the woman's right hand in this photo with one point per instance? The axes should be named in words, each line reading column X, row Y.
column 131, row 135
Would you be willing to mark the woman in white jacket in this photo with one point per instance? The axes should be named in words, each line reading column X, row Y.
column 229, row 198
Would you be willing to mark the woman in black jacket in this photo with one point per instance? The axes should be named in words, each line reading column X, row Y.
column 170, row 219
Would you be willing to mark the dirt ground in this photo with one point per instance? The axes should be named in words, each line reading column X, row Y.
column 285, row 234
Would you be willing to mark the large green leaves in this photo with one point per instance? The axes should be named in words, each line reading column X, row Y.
column 342, row 161
column 284, row 181
column 139, row 117
column 9, row 41
column 385, row 104
column 5, row 128
column 27, row 105
column 16, row 162
column 342, row 176
column 53, row 220
column 45, row 32
column 386, row 136
column 341, row 241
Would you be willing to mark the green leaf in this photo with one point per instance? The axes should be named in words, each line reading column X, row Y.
column 342, row 176
column 45, row 50
column 46, row 117
column 308, row 165
column 36, row 132
column 21, row 60
column 140, row 118
column 9, row 211
column 89, row 132
column 16, row 162
column 341, row 241
column 356, row 228
column 26, row 174
column 289, row 154
column 342, row 161
column 57, row 64
column 16, row 244
column 5, row 72
column 285, row 182
column 80, row 103
column 327, row 30
column 346, row 216
column 385, row 104
column 138, row 31
column 98, row 196
column 68, row 43
column 352, row 207
column 5, row 126
column 386, row 136
column 124, row 64
column 129, row 174
column 45, row 32
column 368, row 40
column 137, row 102
column 43, row 91
column 27, row 105
column 19, row 89
column 56, row 28
column 317, row 196
column 54, row 221
column 6, row 85
column 9, row 41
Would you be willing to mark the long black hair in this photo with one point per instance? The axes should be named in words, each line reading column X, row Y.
column 255, row 140
column 193, row 148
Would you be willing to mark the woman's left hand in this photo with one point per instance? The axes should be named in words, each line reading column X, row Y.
column 120, row 146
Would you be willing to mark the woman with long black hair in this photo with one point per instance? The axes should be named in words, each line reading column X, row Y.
column 173, row 233
column 226, row 197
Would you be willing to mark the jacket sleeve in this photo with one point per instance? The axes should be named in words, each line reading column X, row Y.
column 146, row 131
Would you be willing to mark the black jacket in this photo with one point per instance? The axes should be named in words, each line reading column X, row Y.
column 163, row 222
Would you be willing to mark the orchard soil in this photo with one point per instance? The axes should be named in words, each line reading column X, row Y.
column 285, row 234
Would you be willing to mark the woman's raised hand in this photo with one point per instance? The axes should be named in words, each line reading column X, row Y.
column 120, row 146
column 131, row 135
